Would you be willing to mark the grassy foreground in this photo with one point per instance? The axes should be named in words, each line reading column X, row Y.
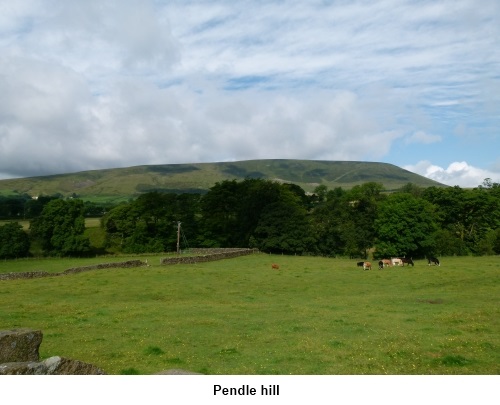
column 238, row 316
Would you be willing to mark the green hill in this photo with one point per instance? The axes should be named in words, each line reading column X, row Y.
column 112, row 184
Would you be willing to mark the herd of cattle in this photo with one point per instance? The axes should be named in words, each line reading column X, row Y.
column 396, row 261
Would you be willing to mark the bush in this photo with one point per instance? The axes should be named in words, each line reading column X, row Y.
column 14, row 242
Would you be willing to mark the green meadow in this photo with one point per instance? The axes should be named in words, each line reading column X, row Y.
column 313, row 316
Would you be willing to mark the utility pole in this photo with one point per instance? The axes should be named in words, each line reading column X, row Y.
column 178, row 237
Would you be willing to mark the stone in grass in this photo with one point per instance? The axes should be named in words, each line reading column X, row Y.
column 20, row 345
column 52, row 366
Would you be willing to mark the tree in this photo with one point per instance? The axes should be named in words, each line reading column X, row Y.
column 283, row 227
column 34, row 207
column 469, row 215
column 149, row 224
column 361, row 205
column 14, row 242
column 219, row 208
column 328, row 219
column 60, row 228
column 405, row 226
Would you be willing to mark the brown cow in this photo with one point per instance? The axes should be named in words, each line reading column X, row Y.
column 275, row 266
column 367, row 266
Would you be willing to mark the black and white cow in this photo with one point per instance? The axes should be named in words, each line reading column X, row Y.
column 433, row 260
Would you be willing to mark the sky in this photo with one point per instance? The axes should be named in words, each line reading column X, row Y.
column 93, row 84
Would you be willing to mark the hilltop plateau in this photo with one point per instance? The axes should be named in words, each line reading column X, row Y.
column 129, row 182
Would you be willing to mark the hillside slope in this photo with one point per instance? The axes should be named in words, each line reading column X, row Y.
column 199, row 177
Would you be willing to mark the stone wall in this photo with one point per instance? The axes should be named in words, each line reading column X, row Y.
column 198, row 256
column 74, row 270
column 207, row 255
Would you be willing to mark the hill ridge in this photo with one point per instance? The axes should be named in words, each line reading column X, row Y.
column 199, row 177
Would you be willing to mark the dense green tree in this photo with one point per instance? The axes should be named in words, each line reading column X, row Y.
column 11, row 207
column 447, row 244
column 219, row 211
column 34, row 206
column 60, row 227
column 328, row 221
column 405, row 226
column 239, row 214
column 362, row 204
column 14, row 242
column 496, row 242
column 149, row 223
column 279, row 217
column 412, row 189
column 231, row 210
column 467, row 214
column 283, row 227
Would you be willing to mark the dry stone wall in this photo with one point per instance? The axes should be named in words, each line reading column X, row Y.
column 38, row 274
column 207, row 255
column 196, row 256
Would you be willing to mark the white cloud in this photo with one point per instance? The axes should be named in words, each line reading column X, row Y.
column 97, row 84
column 422, row 137
column 456, row 174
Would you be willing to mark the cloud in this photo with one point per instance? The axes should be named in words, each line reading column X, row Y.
column 54, row 124
column 94, row 84
column 422, row 137
column 457, row 174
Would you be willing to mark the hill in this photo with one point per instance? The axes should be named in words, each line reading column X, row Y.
column 112, row 184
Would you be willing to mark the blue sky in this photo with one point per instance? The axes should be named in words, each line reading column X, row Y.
column 92, row 85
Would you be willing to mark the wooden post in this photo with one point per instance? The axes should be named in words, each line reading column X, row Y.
column 178, row 238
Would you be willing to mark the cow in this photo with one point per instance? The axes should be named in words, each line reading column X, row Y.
column 360, row 264
column 275, row 266
column 380, row 264
column 407, row 261
column 433, row 260
column 386, row 262
column 367, row 266
column 396, row 261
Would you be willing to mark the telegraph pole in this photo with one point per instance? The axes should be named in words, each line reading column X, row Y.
column 178, row 237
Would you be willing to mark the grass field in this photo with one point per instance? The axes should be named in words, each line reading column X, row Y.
column 25, row 223
column 238, row 316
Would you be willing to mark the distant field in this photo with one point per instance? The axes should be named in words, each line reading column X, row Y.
column 89, row 223
column 238, row 316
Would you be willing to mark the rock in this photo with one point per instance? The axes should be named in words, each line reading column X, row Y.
column 52, row 366
column 23, row 368
column 20, row 345
column 60, row 365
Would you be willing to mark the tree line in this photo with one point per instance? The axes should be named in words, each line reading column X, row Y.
column 276, row 218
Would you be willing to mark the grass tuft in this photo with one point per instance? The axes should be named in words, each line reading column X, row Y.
column 130, row 371
column 153, row 350
column 454, row 361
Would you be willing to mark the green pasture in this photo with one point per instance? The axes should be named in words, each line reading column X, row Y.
column 25, row 223
column 238, row 316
